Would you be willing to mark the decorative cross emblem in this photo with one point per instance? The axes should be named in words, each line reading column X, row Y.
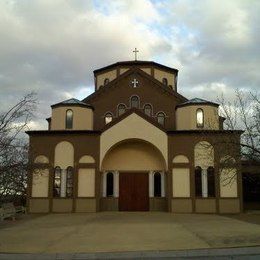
column 135, row 82
column 135, row 51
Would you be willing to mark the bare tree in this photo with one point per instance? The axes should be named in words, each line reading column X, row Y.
column 14, row 147
column 244, row 113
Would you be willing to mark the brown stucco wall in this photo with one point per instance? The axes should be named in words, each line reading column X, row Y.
column 181, row 205
column 38, row 205
column 158, row 204
column 176, row 147
column 62, row 205
column 84, row 144
column 86, row 205
column 229, row 206
column 148, row 92
column 205, row 205
column 109, row 204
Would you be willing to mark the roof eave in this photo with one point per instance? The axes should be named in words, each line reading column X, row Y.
column 125, row 63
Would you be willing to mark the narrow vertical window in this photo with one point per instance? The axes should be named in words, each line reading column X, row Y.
column 69, row 182
column 200, row 117
column 211, row 182
column 198, row 181
column 121, row 109
column 148, row 110
column 135, row 101
column 108, row 118
column 161, row 118
column 106, row 81
column 165, row 81
column 157, row 182
column 110, row 184
column 57, row 182
column 69, row 119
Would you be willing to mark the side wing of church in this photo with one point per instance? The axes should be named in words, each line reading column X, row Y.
column 135, row 144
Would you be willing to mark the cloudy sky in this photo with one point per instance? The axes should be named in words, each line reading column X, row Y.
column 52, row 46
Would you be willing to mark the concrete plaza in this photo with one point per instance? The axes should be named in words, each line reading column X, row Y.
column 126, row 231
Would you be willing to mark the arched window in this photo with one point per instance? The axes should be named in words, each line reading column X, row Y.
column 108, row 118
column 200, row 117
column 121, row 109
column 165, row 81
column 198, row 181
column 148, row 110
column 69, row 182
column 211, row 182
column 135, row 101
column 157, row 182
column 106, row 81
column 57, row 182
column 110, row 184
column 69, row 119
column 161, row 118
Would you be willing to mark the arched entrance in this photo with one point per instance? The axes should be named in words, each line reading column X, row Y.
column 133, row 161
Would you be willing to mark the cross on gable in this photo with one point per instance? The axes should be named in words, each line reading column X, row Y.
column 135, row 51
column 135, row 82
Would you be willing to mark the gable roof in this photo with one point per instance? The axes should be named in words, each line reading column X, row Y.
column 156, row 82
column 128, row 113
column 72, row 102
column 197, row 101
column 135, row 63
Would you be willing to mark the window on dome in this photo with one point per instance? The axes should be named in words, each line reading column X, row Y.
column 200, row 117
column 69, row 119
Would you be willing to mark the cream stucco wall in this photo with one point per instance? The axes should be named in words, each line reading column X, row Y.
column 134, row 127
column 41, row 159
column 180, row 159
column 123, row 70
column 147, row 70
column 86, row 159
column 228, row 183
column 82, row 118
column 181, row 182
column 133, row 155
column 64, row 155
column 86, row 183
column 111, row 75
column 40, row 183
column 204, row 155
column 160, row 74
column 186, row 118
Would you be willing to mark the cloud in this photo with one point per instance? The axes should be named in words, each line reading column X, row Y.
column 219, row 42
column 52, row 47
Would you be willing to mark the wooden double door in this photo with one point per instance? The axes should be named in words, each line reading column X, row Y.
column 133, row 191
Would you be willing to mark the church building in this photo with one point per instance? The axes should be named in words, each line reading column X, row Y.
column 135, row 144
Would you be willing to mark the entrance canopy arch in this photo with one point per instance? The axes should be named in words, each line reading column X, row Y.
column 134, row 127
column 133, row 155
